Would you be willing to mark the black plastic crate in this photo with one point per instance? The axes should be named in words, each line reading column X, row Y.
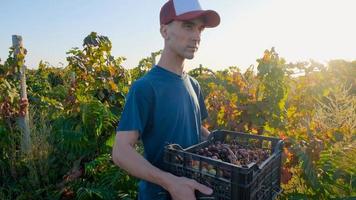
column 230, row 182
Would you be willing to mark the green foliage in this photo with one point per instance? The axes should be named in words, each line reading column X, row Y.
column 144, row 66
column 272, row 89
column 74, row 112
column 325, row 143
column 47, row 89
column 84, row 130
column 245, row 101
column 96, row 72
column 103, row 173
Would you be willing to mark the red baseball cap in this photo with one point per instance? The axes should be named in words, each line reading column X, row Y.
column 187, row 10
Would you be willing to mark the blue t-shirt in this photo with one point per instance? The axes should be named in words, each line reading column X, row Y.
column 165, row 108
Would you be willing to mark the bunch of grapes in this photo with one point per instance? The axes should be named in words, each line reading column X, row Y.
column 10, row 111
column 6, row 110
column 234, row 153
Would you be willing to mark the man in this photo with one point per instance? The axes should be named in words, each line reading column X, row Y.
column 166, row 106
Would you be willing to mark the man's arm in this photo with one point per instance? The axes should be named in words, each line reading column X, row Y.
column 125, row 156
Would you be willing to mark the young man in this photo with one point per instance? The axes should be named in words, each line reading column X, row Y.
column 166, row 106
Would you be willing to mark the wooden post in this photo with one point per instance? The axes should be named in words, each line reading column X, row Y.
column 23, row 121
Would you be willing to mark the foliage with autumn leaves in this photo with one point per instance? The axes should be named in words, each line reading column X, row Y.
column 310, row 106
column 74, row 112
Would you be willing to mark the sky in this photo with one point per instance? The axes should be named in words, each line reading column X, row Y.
column 298, row 29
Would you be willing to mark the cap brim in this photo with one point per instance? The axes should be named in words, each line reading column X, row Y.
column 211, row 18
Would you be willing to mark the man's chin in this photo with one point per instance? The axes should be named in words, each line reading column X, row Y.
column 189, row 57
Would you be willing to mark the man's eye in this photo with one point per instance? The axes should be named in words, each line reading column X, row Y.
column 188, row 26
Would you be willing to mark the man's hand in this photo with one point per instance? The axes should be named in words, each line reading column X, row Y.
column 204, row 133
column 182, row 188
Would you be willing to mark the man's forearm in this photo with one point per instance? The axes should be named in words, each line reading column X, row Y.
column 134, row 163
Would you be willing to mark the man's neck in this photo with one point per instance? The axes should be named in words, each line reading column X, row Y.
column 171, row 62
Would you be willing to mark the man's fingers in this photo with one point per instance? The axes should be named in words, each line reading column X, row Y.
column 202, row 188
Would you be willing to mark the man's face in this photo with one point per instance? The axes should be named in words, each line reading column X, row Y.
column 183, row 37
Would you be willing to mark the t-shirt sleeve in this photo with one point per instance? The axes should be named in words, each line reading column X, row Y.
column 139, row 103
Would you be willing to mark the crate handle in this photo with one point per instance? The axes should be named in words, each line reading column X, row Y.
column 211, row 135
column 201, row 198
column 279, row 146
column 175, row 147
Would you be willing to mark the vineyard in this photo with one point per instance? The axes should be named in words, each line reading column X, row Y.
column 58, row 143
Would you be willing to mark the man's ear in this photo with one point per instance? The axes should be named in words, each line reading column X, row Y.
column 164, row 31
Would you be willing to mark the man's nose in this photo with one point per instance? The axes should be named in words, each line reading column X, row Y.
column 196, row 35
